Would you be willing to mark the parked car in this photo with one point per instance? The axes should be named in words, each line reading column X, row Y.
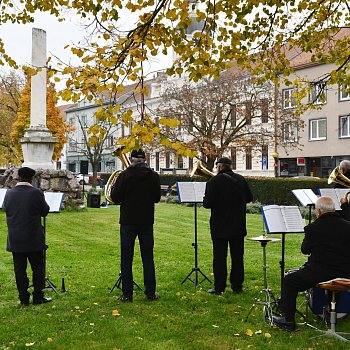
column 82, row 179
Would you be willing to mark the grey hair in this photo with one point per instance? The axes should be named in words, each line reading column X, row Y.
column 325, row 204
column 345, row 165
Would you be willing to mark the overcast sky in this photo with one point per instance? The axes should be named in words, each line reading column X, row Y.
column 18, row 38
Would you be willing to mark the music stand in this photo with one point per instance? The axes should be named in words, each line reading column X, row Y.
column 118, row 283
column 54, row 200
column 269, row 301
column 282, row 220
column 193, row 192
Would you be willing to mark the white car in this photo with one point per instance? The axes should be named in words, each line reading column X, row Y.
column 82, row 179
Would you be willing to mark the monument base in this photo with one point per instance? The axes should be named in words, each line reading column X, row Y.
column 37, row 147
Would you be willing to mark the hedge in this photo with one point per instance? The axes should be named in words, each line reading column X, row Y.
column 266, row 190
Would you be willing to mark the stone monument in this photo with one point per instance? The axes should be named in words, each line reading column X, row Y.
column 38, row 142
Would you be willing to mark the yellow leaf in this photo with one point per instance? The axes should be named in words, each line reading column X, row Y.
column 30, row 344
column 115, row 313
column 178, row 294
column 49, row 340
column 267, row 335
column 249, row 332
column 215, row 326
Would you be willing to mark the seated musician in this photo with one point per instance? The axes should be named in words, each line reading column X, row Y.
column 345, row 207
column 344, row 167
column 327, row 241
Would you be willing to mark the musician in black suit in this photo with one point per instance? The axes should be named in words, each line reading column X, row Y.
column 227, row 194
column 344, row 167
column 25, row 206
column 137, row 189
column 327, row 243
column 345, row 207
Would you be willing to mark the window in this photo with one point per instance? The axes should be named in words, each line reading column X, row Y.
column 289, row 132
column 248, row 112
column 248, row 158
column 233, row 114
column 344, row 127
column 234, row 158
column 264, row 157
column 318, row 129
column 343, row 94
column 167, row 159
column 318, row 93
column 180, row 162
column 157, row 161
column 264, row 106
column 109, row 141
column 287, row 99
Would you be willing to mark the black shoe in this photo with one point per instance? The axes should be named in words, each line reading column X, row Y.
column 125, row 299
column 152, row 297
column 237, row 290
column 281, row 322
column 43, row 300
column 215, row 291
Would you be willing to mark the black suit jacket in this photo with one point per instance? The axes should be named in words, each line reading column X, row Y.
column 24, row 206
column 136, row 190
column 227, row 194
column 327, row 240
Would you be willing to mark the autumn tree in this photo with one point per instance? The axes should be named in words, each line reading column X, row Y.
column 11, row 84
column 232, row 112
column 262, row 35
column 93, row 146
column 54, row 119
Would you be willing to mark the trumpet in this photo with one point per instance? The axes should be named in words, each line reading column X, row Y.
column 114, row 176
column 201, row 170
column 337, row 176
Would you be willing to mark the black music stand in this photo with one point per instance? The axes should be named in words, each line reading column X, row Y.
column 193, row 192
column 118, row 283
column 268, row 301
column 54, row 200
column 282, row 220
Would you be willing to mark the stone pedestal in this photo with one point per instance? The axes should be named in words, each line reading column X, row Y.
column 37, row 147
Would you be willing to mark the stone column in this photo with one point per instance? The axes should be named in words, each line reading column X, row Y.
column 38, row 143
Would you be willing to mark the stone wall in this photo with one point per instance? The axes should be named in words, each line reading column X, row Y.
column 49, row 181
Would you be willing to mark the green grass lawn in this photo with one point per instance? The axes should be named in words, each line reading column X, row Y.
column 84, row 250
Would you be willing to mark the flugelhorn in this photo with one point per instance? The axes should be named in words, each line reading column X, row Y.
column 337, row 176
column 113, row 178
column 201, row 170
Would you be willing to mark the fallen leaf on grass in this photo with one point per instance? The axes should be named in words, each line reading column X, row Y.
column 215, row 326
column 236, row 334
column 258, row 332
column 115, row 313
column 267, row 335
column 139, row 338
column 249, row 332
column 30, row 344
column 49, row 340
column 178, row 294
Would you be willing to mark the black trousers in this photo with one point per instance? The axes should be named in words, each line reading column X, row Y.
column 36, row 260
column 301, row 280
column 128, row 234
column 220, row 247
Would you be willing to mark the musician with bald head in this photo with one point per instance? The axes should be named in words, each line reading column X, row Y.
column 327, row 242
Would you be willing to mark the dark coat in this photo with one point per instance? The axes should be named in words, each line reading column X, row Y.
column 136, row 190
column 345, row 211
column 227, row 194
column 24, row 206
column 327, row 240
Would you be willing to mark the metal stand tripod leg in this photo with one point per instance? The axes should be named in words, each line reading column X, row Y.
column 118, row 283
column 268, row 300
column 196, row 270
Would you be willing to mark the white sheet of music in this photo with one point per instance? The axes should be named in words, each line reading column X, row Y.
column 191, row 192
column 335, row 194
column 2, row 196
column 281, row 219
column 305, row 196
column 54, row 200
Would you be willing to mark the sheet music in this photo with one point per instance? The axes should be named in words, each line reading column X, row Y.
column 190, row 192
column 54, row 200
column 281, row 219
column 305, row 196
column 2, row 196
column 335, row 193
